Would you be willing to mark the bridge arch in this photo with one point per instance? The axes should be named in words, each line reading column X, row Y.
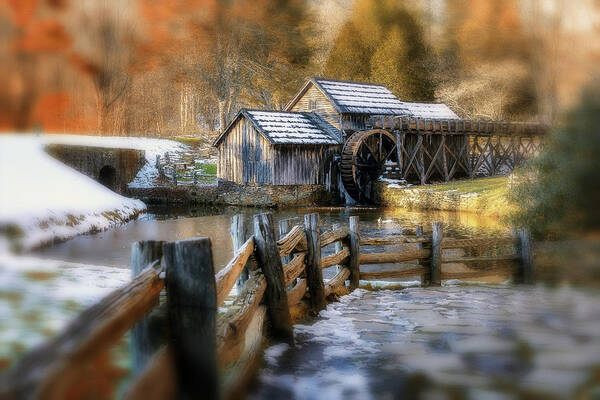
column 108, row 177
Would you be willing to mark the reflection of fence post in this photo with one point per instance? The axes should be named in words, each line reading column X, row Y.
column 192, row 305
column 284, row 228
column 525, row 251
column 314, row 275
column 269, row 260
column 337, row 245
column 426, row 277
column 238, row 238
column 145, row 338
column 436, row 253
column 354, row 264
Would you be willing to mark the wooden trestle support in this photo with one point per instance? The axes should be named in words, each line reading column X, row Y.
column 425, row 151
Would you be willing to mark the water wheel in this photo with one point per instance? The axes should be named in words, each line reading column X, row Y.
column 364, row 157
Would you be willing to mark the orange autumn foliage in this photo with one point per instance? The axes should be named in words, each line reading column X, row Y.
column 51, row 109
column 44, row 36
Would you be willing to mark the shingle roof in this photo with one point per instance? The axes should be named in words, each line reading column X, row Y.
column 289, row 127
column 369, row 98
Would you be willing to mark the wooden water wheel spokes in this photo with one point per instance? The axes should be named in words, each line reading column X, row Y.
column 364, row 157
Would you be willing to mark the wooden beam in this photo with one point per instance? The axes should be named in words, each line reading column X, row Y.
column 294, row 240
column 227, row 277
column 396, row 273
column 393, row 257
column 337, row 281
column 336, row 259
column 296, row 293
column 269, row 259
column 334, row 235
column 192, row 305
column 294, row 269
column 284, row 229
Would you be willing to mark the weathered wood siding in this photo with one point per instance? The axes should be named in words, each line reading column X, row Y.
column 354, row 122
column 322, row 106
column 245, row 156
column 304, row 165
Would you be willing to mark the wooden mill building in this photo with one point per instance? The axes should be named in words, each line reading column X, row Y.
column 302, row 145
column 349, row 105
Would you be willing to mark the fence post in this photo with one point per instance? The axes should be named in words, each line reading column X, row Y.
column 314, row 275
column 354, row 264
column 284, row 228
column 527, row 267
column 145, row 336
column 436, row 253
column 192, row 306
column 238, row 238
column 270, row 262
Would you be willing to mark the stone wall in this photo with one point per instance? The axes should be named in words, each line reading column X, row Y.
column 230, row 193
column 114, row 168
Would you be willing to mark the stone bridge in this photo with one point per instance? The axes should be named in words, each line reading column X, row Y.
column 112, row 167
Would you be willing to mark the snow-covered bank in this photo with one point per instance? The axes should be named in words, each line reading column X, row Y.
column 40, row 297
column 42, row 200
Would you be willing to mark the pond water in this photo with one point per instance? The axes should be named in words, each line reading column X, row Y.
column 472, row 341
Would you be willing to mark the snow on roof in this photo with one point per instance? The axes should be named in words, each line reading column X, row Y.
column 429, row 111
column 359, row 98
column 290, row 127
column 374, row 99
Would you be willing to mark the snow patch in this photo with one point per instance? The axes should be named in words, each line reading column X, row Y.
column 43, row 200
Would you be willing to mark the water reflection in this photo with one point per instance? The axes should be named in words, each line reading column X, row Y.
column 112, row 247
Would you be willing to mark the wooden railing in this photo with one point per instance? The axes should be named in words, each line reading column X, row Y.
column 213, row 356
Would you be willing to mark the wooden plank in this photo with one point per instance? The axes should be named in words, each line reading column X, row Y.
column 462, row 260
column 144, row 340
column 337, row 282
column 436, row 253
column 269, row 259
column 295, row 240
column 338, row 258
column 396, row 273
column 227, row 276
column 498, row 270
column 232, row 326
column 334, row 236
column 238, row 238
column 391, row 240
column 192, row 305
column 482, row 242
column 393, row 257
column 354, row 264
column 294, row 269
column 314, row 275
column 296, row 293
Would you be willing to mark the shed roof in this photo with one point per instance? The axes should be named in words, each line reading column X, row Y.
column 280, row 127
column 370, row 98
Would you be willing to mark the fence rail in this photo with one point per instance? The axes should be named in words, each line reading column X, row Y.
column 216, row 355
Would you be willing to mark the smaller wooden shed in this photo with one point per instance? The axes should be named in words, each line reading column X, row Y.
column 278, row 148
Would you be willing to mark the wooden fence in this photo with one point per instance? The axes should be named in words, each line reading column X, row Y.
column 215, row 355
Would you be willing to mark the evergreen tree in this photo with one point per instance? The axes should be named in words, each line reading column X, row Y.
column 384, row 43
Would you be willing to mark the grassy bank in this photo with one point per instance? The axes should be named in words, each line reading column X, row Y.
column 485, row 196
